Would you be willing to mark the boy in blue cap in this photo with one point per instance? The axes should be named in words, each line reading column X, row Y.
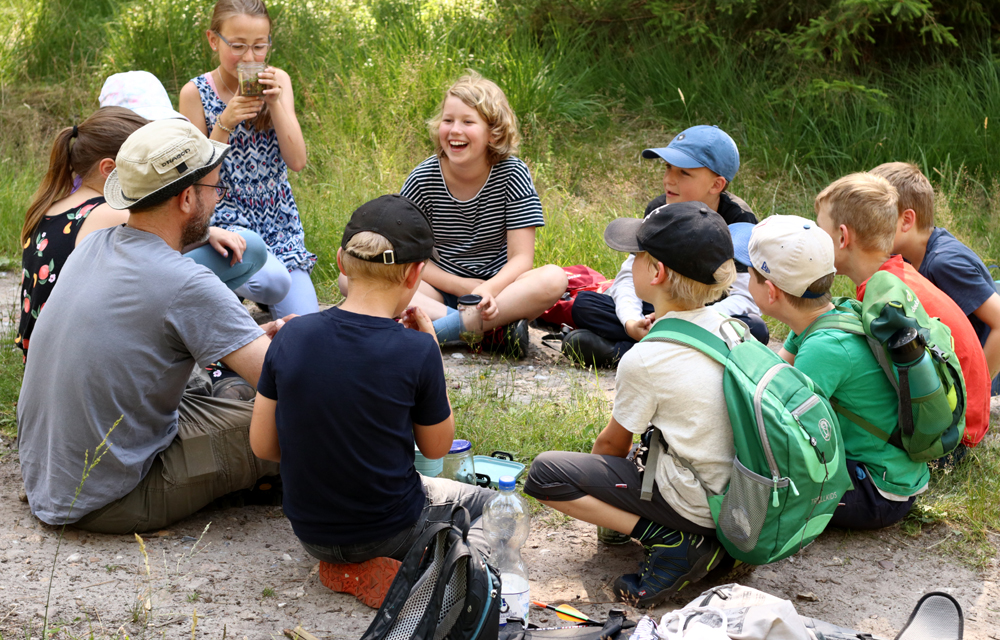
column 700, row 163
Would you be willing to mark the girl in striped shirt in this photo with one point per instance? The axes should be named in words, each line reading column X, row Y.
column 484, row 210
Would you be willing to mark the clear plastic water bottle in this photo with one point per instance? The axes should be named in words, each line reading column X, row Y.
column 506, row 523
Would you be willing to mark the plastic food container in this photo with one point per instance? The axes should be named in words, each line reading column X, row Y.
column 492, row 468
column 458, row 464
column 425, row 466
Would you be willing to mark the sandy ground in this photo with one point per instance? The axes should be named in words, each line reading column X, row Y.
column 245, row 576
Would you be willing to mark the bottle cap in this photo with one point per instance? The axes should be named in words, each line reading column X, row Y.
column 906, row 346
column 460, row 446
column 470, row 300
column 507, row 483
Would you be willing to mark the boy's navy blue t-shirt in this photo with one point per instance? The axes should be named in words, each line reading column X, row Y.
column 349, row 389
column 955, row 269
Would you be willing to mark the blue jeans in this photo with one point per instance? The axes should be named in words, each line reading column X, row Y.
column 233, row 276
column 443, row 496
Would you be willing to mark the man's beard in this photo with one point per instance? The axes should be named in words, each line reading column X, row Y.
column 196, row 229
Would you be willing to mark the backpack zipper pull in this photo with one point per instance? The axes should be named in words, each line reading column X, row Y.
column 774, row 494
column 792, row 484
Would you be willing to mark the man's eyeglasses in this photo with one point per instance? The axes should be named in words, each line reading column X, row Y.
column 220, row 191
column 239, row 48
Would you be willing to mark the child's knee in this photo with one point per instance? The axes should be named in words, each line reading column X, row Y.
column 552, row 280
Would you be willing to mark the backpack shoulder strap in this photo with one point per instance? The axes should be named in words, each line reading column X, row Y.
column 847, row 322
column 689, row 334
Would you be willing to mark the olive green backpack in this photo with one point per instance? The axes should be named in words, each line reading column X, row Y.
column 789, row 472
column 930, row 426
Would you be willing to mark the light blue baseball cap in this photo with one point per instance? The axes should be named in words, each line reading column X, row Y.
column 701, row 146
column 741, row 231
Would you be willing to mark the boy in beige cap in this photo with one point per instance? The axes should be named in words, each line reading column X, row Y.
column 116, row 343
column 792, row 270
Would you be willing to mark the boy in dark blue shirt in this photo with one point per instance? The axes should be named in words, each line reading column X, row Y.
column 950, row 265
column 344, row 394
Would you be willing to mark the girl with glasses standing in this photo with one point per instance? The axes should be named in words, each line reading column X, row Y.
column 266, row 140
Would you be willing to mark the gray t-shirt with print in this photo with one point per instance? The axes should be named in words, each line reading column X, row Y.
column 118, row 338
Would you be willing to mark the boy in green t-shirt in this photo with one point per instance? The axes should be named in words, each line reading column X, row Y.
column 792, row 267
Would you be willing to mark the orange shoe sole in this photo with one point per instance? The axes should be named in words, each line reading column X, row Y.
column 367, row 581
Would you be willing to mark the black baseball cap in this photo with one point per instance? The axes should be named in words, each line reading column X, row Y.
column 400, row 222
column 687, row 237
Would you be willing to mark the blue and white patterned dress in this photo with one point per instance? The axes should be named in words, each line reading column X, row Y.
column 259, row 196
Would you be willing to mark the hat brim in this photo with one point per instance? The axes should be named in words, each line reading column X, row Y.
column 621, row 235
column 116, row 199
column 673, row 156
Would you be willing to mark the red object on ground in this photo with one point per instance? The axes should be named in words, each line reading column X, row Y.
column 368, row 581
column 581, row 278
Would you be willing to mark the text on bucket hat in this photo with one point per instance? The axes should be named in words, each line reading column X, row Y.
column 687, row 237
column 141, row 92
column 701, row 146
column 400, row 222
column 160, row 160
column 792, row 252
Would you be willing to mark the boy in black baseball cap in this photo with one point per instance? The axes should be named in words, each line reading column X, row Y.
column 683, row 260
column 343, row 396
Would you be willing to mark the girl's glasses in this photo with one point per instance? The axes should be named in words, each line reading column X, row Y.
column 240, row 48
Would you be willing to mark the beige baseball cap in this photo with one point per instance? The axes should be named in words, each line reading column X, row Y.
column 160, row 160
column 792, row 252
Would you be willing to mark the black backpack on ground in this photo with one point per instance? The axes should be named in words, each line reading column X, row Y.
column 444, row 590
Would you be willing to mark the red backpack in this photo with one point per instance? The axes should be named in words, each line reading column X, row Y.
column 581, row 278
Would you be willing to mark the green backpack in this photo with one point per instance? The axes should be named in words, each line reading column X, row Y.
column 790, row 471
column 930, row 426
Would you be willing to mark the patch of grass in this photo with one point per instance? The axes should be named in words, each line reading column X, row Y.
column 493, row 413
column 268, row 592
column 965, row 499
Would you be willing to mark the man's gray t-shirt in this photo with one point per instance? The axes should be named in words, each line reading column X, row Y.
column 118, row 337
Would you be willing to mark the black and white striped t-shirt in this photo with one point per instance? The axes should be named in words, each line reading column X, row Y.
column 471, row 235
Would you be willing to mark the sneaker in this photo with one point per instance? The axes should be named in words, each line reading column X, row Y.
column 510, row 340
column 367, row 581
column 669, row 567
column 587, row 348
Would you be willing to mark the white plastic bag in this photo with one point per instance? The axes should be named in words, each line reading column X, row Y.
column 694, row 623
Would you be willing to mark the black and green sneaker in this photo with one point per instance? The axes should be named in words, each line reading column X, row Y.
column 670, row 565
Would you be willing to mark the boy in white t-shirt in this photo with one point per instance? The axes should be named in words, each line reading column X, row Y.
column 683, row 260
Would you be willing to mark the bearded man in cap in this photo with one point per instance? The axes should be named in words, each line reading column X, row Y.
column 123, row 330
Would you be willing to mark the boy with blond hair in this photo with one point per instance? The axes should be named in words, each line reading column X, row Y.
column 859, row 212
column 792, row 270
column 944, row 260
column 344, row 394
column 683, row 261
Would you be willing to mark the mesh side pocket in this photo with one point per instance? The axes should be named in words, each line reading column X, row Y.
column 744, row 509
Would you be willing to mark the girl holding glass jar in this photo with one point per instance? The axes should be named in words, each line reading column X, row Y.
column 266, row 140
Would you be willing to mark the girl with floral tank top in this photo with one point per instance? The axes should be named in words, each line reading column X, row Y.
column 266, row 140
column 59, row 218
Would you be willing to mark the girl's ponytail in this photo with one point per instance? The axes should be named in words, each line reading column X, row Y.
column 78, row 150
column 57, row 184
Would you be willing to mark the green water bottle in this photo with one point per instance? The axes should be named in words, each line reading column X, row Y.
column 907, row 348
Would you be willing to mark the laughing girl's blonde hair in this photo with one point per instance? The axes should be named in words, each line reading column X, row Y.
column 489, row 100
